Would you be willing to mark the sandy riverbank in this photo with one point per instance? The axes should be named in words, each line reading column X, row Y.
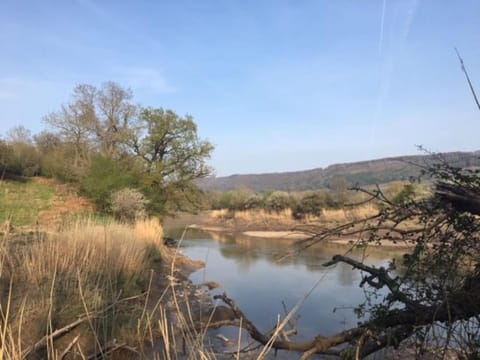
column 297, row 235
column 294, row 235
column 268, row 226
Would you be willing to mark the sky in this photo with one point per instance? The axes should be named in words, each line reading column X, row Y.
column 275, row 85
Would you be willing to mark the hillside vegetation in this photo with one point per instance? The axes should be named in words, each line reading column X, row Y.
column 358, row 173
column 74, row 284
column 110, row 148
column 39, row 202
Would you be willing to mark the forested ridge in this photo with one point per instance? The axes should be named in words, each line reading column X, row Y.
column 370, row 172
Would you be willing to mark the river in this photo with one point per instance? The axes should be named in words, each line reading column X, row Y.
column 258, row 276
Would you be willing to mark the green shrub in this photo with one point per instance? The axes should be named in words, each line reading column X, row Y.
column 406, row 194
column 57, row 163
column 253, row 202
column 104, row 177
column 278, row 201
column 311, row 204
column 20, row 159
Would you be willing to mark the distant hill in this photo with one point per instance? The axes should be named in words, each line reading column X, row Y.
column 361, row 173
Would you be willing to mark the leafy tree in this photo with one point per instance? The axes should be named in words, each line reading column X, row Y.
column 172, row 157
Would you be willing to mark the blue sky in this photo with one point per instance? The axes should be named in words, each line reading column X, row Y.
column 275, row 85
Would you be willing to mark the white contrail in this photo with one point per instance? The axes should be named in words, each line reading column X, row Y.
column 390, row 62
column 382, row 26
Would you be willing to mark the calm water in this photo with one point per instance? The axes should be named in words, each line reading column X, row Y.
column 249, row 270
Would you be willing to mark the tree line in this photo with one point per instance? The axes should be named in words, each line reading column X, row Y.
column 104, row 142
column 305, row 203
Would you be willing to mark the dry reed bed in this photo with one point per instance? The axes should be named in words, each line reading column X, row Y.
column 50, row 280
column 285, row 217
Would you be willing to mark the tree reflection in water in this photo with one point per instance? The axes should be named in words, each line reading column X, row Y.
column 257, row 273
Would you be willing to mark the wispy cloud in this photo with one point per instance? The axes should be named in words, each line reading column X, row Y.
column 143, row 77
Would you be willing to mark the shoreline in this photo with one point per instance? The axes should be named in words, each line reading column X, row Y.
column 293, row 235
column 280, row 227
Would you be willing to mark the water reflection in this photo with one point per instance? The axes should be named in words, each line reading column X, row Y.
column 258, row 275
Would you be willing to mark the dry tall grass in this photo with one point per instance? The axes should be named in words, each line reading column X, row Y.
column 257, row 216
column 50, row 280
column 345, row 214
column 97, row 276
column 260, row 216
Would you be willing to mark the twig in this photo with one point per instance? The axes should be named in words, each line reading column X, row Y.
column 109, row 348
column 69, row 347
column 468, row 78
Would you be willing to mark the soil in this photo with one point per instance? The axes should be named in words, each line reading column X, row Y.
column 65, row 203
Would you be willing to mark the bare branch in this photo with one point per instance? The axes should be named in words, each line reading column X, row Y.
column 468, row 78
column 319, row 343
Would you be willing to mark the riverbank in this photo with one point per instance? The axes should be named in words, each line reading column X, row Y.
column 257, row 275
column 261, row 220
column 98, row 289
column 279, row 226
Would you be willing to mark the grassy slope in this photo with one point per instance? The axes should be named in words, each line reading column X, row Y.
column 38, row 201
column 21, row 201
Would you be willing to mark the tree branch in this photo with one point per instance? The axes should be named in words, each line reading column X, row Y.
column 379, row 273
column 319, row 343
column 468, row 78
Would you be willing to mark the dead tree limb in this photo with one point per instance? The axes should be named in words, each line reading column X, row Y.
column 320, row 343
column 461, row 198
column 382, row 276
column 387, row 330
column 41, row 345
